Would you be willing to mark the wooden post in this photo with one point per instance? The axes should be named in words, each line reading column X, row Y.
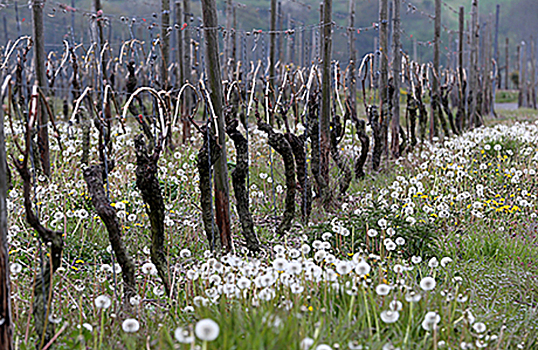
column 280, row 19
column 506, row 64
column 518, row 58
column 97, row 9
column 178, row 44
column 6, row 326
column 325, row 112
column 39, row 60
column 489, row 93
column 450, row 51
column 375, row 65
column 6, row 36
column 272, row 49
column 415, row 50
column 352, row 57
column 228, row 40
column 496, row 54
column 233, row 36
column 473, row 71
column 212, row 66
column 73, row 20
column 165, row 42
column 396, row 69
column 314, row 51
column 436, row 71
column 485, row 65
column 532, row 92
column 291, row 41
column 460, row 116
column 17, row 19
column 301, row 46
column 187, row 67
column 522, row 76
column 383, row 79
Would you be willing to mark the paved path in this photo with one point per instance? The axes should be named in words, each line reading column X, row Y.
column 506, row 106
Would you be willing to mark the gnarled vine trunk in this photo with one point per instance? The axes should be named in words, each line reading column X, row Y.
column 239, row 177
column 148, row 185
column 93, row 176
column 207, row 156
column 281, row 145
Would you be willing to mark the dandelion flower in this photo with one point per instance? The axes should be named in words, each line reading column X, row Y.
column 305, row 249
column 294, row 253
column 130, row 325
column 149, row 269
column 183, row 335
column 296, row 288
column 412, row 297
column 323, row 347
column 207, row 329
column 306, row 343
column 135, row 300
column 396, row 305
column 362, row 268
column 372, row 233
column 280, row 264
column 185, row 253
column 382, row 289
column 431, row 319
column 15, row 268
column 389, row 316
column 427, row 283
column 416, row 259
column 243, row 283
column 433, row 262
column 103, row 302
column 445, row 261
column 479, row 327
column 343, row 268
column 295, row 267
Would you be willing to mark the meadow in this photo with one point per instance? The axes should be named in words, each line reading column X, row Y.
column 438, row 250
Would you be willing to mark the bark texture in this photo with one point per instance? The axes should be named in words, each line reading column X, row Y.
column 42, row 287
column 148, row 185
column 39, row 60
column 222, row 192
column 325, row 107
column 281, row 145
column 6, row 326
column 360, row 125
column 337, row 133
column 239, row 178
column 207, row 156
column 94, row 180
column 299, row 153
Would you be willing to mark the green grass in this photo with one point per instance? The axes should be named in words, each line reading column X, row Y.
column 489, row 236
column 506, row 96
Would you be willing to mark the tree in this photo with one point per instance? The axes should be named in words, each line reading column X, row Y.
column 222, row 192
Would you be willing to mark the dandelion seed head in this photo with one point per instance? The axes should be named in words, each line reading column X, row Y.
column 207, row 330
column 130, row 325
